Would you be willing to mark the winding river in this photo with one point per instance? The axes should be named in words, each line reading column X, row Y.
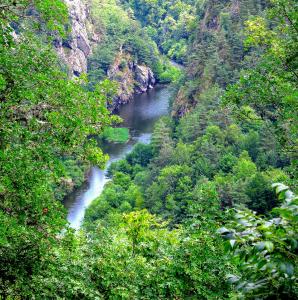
column 139, row 116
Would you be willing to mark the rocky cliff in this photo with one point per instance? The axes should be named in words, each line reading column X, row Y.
column 76, row 48
column 131, row 78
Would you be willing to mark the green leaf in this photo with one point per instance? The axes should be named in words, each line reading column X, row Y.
column 261, row 264
column 232, row 278
column 232, row 243
column 260, row 246
column 287, row 268
column 269, row 246
column 280, row 187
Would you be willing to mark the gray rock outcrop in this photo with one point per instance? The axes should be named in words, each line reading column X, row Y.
column 144, row 78
column 75, row 50
column 132, row 79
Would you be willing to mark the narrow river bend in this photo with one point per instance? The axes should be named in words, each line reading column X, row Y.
column 139, row 116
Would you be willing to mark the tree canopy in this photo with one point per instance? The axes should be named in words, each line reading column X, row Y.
column 206, row 210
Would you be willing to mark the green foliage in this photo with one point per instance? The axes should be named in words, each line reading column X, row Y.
column 140, row 258
column 271, row 87
column 262, row 198
column 43, row 117
column 115, row 134
column 141, row 155
column 170, row 74
column 121, row 34
column 168, row 23
column 265, row 250
column 169, row 193
column 119, row 166
column 213, row 158
column 73, row 176
column 50, row 15
column 215, row 54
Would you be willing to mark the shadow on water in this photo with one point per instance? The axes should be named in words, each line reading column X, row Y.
column 139, row 116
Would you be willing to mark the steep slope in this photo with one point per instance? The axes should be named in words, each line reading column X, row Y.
column 216, row 52
column 168, row 22
column 82, row 38
column 90, row 28
column 131, row 78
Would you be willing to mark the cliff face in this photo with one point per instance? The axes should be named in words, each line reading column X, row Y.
column 131, row 77
column 76, row 49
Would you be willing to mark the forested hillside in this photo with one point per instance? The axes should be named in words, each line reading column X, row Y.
column 169, row 23
column 207, row 209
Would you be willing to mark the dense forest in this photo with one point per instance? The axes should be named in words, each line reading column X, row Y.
column 207, row 209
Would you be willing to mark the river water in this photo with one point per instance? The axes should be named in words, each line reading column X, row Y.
column 139, row 116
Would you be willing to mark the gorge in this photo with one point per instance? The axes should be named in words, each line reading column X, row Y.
column 198, row 201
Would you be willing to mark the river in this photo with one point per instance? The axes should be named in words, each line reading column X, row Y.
column 139, row 116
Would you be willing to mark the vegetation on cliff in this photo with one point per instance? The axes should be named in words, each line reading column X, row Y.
column 169, row 23
column 123, row 34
